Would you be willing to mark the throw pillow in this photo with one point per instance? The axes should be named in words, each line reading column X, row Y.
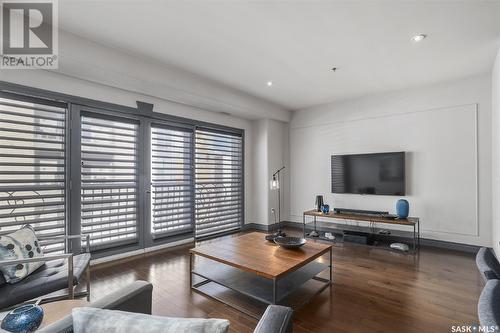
column 21, row 244
column 92, row 320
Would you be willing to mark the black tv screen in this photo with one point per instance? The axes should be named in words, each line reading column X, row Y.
column 381, row 173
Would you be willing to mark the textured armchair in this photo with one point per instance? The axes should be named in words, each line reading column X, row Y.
column 60, row 271
column 137, row 297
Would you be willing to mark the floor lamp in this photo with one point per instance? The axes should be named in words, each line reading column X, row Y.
column 275, row 185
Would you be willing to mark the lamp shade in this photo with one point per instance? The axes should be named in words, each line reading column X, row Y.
column 275, row 184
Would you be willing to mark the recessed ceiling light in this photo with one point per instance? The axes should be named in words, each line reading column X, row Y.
column 269, row 83
column 418, row 38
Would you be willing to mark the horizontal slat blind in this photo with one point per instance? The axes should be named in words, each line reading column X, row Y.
column 32, row 169
column 171, row 181
column 219, row 182
column 109, row 205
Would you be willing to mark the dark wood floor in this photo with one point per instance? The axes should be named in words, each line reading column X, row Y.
column 374, row 290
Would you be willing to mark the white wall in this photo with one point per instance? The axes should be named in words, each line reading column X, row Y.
column 278, row 155
column 270, row 149
column 260, row 171
column 495, row 89
column 89, row 61
column 94, row 71
column 436, row 125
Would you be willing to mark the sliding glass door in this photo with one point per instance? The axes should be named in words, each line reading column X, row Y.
column 219, row 182
column 171, row 181
column 33, row 167
column 109, row 180
column 130, row 180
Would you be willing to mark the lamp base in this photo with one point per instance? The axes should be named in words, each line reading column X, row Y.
column 271, row 237
column 279, row 233
column 314, row 233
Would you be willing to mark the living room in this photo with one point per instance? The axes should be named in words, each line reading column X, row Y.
column 249, row 166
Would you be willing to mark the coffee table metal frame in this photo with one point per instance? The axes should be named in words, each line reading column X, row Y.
column 275, row 281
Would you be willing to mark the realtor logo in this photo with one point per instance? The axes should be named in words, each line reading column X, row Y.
column 29, row 34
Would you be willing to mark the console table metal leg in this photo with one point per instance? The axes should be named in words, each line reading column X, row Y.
column 304, row 224
column 418, row 226
column 414, row 239
column 331, row 265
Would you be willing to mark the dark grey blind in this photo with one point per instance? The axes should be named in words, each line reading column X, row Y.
column 171, row 181
column 109, row 203
column 219, row 182
column 32, row 169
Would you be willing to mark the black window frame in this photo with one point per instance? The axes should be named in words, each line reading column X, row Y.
column 146, row 116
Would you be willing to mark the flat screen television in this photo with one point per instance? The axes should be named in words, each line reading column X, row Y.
column 379, row 174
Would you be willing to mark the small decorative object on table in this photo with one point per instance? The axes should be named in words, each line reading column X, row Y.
column 319, row 202
column 400, row 246
column 290, row 242
column 402, row 208
column 23, row 319
column 325, row 208
column 329, row 236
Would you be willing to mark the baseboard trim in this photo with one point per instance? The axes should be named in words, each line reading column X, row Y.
column 468, row 248
column 256, row 226
column 135, row 253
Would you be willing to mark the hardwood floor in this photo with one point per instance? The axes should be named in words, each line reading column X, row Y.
column 374, row 290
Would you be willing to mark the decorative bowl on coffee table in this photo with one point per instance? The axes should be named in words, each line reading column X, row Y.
column 290, row 242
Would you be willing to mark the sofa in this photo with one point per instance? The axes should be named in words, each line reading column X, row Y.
column 137, row 297
column 488, row 307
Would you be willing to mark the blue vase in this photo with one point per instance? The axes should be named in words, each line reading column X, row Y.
column 402, row 208
column 325, row 208
column 23, row 319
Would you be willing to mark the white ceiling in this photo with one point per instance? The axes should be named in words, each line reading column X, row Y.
column 244, row 44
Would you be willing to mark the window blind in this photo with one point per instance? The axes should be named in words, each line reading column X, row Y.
column 171, row 181
column 109, row 171
column 219, row 182
column 32, row 169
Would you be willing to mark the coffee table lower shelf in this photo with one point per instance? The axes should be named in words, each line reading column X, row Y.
column 212, row 278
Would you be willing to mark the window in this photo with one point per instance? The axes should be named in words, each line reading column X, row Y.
column 109, row 173
column 219, row 182
column 171, row 181
column 128, row 178
column 33, row 168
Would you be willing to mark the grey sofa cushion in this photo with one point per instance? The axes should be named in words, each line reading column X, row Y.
column 487, row 264
column 488, row 307
column 276, row 319
column 92, row 320
column 50, row 277
column 135, row 297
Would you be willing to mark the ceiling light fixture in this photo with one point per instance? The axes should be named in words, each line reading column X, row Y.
column 269, row 83
column 418, row 38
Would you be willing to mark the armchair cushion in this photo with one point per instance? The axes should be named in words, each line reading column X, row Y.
column 92, row 320
column 21, row 244
column 52, row 276
column 2, row 279
column 487, row 264
column 488, row 307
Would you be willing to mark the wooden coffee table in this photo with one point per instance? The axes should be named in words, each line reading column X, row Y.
column 261, row 270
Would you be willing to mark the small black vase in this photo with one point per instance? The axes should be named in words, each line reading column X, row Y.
column 319, row 202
